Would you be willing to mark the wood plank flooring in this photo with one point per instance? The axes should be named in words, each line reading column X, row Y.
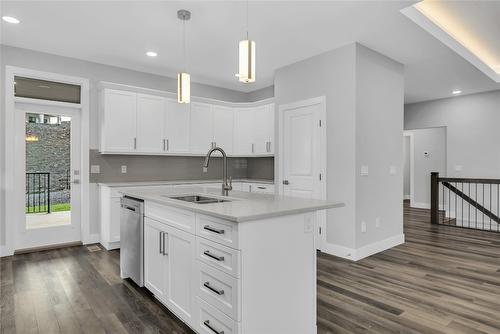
column 442, row 280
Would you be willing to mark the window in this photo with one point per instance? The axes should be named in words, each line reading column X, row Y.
column 46, row 90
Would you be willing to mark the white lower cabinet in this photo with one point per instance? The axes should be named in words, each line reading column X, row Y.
column 196, row 278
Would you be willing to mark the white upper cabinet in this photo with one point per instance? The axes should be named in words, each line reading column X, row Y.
column 137, row 123
column 223, row 128
column 264, row 129
column 243, row 131
column 201, row 127
column 150, row 120
column 177, row 127
column 118, row 121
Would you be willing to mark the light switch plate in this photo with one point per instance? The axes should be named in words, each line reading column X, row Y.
column 392, row 170
column 364, row 170
column 124, row 169
column 458, row 168
column 363, row 227
column 377, row 222
column 95, row 169
column 308, row 224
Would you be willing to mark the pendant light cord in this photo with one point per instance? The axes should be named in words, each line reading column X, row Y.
column 184, row 43
column 247, row 19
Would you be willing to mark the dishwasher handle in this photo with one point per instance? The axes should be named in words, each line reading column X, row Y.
column 131, row 208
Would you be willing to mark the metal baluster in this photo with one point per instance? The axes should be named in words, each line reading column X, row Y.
column 475, row 220
column 468, row 209
column 462, row 205
column 482, row 204
column 490, row 206
column 444, row 210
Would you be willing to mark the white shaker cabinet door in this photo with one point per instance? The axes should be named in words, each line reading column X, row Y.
column 264, row 129
column 244, row 132
column 201, row 127
column 223, row 128
column 155, row 259
column 118, row 121
column 150, row 120
column 177, row 127
column 181, row 252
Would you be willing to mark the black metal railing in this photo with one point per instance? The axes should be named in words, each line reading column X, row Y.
column 37, row 192
column 465, row 202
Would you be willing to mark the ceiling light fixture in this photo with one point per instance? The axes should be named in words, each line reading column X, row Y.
column 183, row 78
column 10, row 19
column 456, row 92
column 246, row 57
column 151, row 54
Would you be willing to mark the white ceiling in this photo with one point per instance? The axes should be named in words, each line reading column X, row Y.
column 120, row 32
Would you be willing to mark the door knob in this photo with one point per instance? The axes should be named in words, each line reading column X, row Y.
column 285, row 182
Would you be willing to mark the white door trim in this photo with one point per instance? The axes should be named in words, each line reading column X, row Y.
column 321, row 100
column 412, row 166
column 11, row 216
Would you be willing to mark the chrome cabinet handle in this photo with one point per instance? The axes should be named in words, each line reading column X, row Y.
column 268, row 146
column 211, row 229
column 135, row 143
column 260, row 187
column 253, row 145
column 286, row 182
column 168, row 145
column 208, row 286
column 164, row 145
column 215, row 257
column 207, row 323
column 160, row 233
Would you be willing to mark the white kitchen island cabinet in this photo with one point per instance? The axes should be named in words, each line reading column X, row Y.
column 244, row 266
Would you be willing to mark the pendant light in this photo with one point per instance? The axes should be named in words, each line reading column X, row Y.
column 183, row 78
column 247, row 57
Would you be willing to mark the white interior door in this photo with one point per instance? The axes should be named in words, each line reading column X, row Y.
column 48, row 199
column 303, row 157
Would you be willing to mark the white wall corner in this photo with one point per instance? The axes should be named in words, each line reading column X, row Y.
column 92, row 239
column 365, row 251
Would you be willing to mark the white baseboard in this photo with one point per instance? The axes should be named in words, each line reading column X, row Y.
column 365, row 251
column 5, row 252
column 420, row 205
column 406, row 197
column 111, row 245
column 92, row 239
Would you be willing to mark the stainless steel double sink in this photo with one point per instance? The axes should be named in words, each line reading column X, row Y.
column 198, row 199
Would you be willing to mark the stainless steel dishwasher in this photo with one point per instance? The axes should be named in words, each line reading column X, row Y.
column 132, row 239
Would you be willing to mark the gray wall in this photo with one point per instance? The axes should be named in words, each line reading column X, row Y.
column 364, row 102
column 95, row 73
column 433, row 141
column 471, row 123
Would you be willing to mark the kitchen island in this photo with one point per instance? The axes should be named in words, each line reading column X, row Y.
column 243, row 263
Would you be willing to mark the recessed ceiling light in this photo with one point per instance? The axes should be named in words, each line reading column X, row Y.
column 456, row 92
column 151, row 54
column 10, row 19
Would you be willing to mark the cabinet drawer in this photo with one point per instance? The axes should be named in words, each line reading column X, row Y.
column 212, row 321
column 181, row 219
column 218, row 289
column 218, row 230
column 218, row 256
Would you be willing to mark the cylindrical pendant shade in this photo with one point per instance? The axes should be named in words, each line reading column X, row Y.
column 247, row 61
column 183, row 88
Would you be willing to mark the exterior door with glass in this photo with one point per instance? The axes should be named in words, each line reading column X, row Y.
column 48, row 146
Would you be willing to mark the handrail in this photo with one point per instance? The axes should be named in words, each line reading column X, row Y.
column 468, row 180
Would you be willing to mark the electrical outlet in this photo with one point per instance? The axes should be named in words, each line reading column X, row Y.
column 308, row 224
column 392, row 170
column 95, row 169
column 377, row 222
column 124, row 169
column 363, row 227
column 364, row 170
column 458, row 168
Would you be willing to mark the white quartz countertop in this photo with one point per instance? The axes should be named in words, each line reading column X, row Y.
column 177, row 182
column 242, row 207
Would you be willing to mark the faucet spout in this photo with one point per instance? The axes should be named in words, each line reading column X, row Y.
column 227, row 184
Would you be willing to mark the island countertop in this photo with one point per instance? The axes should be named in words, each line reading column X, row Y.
column 241, row 207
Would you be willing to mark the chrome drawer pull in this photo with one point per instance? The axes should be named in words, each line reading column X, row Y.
column 211, row 229
column 215, row 257
column 261, row 187
column 207, row 323
column 160, row 233
column 207, row 285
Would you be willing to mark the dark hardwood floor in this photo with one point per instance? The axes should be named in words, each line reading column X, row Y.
column 442, row 280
